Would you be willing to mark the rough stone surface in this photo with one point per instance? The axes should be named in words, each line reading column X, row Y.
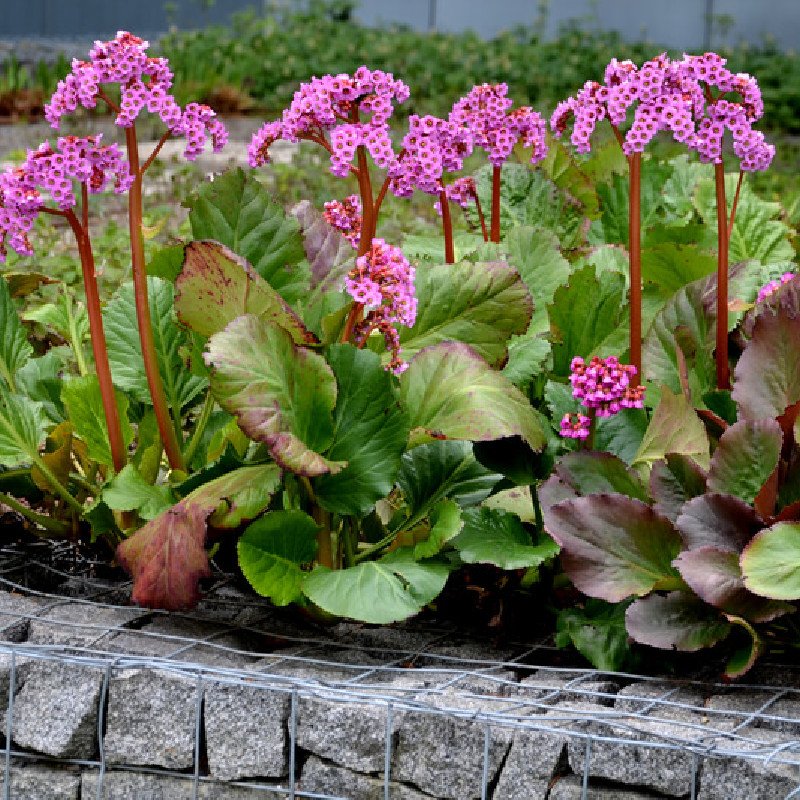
column 570, row 787
column 444, row 756
column 42, row 783
column 78, row 624
column 151, row 719
column 726, row 778
column 350, row 733
column 651, row 764
column 246, row 732
column 15, row 613
column 533, row 759
column 549, row 687
column 119, row 785
column 55, row 712
column 660, row 699
column 782, row 714
column 325, row 778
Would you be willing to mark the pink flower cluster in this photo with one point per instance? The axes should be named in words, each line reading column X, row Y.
column 576, row 426
column 431, row 147
column 334, row 103
column 604, row 385
column 383, row 281
column 144, row 83
column 669, row 95
column 773, row 286
column 345, row 217
column 53, row 171
column 484, row 113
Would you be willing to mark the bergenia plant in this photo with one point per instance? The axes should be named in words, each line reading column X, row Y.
column 144, row 83
column 675, row 96
column 484, row 112
column 698, row 536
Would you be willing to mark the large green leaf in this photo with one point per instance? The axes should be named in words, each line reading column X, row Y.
column 559, row 165
column 715, row 576
column 491, row 536
column 379, row 592
column 272, row 552
column 239, row 494
column 481, row 304
column 329, row 254
column 129, row 491
column 237, row 211
column 746, row 456
column 771, row 562
column 215, row 286
column 757, row 232
column 40, row 379
column 281, row 394
column 536, row 254
column 674, row 428
column 125, row 350
column 584, row 315
column 68, row 318
column 21, row 429
column 527, row 358
column 622, row 433
column 598, row 632
column 613, row 546
column 446, row 522
column 84, row 404
column 766, row 378
column 442, row 469
column 677, row 621
column 370, row 432
column 688, row 321
column 15, row 349
column 452, row 393
column 672, row 265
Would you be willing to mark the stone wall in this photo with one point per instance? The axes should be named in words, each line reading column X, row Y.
column 231, row 702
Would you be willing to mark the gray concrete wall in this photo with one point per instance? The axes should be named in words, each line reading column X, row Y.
column 679, row 23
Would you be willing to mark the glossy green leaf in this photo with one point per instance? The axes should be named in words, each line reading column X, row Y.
column 451, row 392
column 282, row 394
column 125, row 351
column 527, row 358
column 15, row 349
column 672, row 266
column 613, row 546
column 495, row 537
column 445, row 521
column 166, row 263
column 370, row 431
column 128, row 491
column 583, row 315
column 68, row 318
column 21, row 429
column 746, row 456
column 674, row 428
column 598, row 633
column 481, row 304
column 379, row 592
column 622, row 434
column 746, row 654
column 272, row 553
column 84, row 404
column 40, row 379
column 677, row 621
column 237, row 211
column 771, row 562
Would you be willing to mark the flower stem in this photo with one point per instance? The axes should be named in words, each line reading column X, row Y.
column 110, row 410
column 635, row 251
column 353, row 318
column 721, row 355
column 735, row 203
column 154, row 382
column 494, row 233
column 54, row 528
column 481, row 217
column 447, row 225
column 323, row 519
column 199, row 427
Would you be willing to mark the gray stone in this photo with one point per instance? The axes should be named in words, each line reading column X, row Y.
column 152, row 715
column 119, row 785
column 78, row 624
column 781, row 714
column 443, row 753
column 21, row 666
column 740, row 776
column 246, row 733
column 328, row 779
column 570, row 787
column 549, row 687
column 350, row 733
column 534, row 758
column 15, row 616
column 55, row 712
column 42, row 783
column 668, row 701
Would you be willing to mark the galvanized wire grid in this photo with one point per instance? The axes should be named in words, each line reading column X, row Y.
column 549, row 701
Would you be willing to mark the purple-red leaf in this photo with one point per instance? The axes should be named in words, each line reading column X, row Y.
column 673, row 482
column 677, row 621
column 718, row 520
column 613, row 546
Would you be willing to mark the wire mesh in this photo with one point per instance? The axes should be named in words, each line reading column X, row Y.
column 680, row 735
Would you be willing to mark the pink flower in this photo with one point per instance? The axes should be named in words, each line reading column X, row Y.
column 604, row 385
column 345, row 217
column 576, row 426
column 773, row 286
